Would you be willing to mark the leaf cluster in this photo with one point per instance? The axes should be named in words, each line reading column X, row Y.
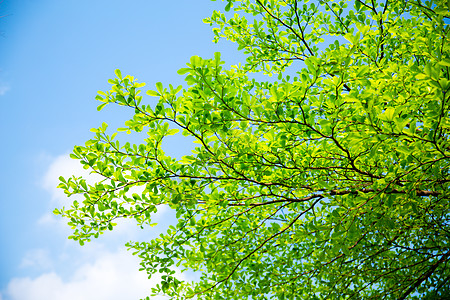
column 332, row 184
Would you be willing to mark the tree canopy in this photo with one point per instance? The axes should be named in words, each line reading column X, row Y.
column 328, row 180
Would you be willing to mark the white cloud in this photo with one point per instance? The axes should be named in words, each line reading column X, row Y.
column 3, row 89
column 93, row 272
column 65, row 166
column 37, row 258
column 49, row 219
column 112, row 276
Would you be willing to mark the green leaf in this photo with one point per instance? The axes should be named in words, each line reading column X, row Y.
column 101, row 106
column 153, row 93
column 172, row 131
column 445, row 62
column 183, row 71
column 187, row 159
column 388, row 114
column 159, row 87
column 118, row 73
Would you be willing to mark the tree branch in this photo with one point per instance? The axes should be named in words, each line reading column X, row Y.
column 424, row 276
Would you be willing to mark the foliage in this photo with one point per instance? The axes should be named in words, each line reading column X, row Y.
column 332, row 184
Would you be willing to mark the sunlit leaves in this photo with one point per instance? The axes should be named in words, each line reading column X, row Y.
column 331, row 182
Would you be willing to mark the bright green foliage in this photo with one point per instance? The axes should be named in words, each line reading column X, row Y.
column 333, row 184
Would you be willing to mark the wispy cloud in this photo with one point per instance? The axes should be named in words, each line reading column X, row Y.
column 37, row 258
column 4, row 88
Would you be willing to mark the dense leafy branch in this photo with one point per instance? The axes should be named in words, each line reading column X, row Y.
column 333, row 184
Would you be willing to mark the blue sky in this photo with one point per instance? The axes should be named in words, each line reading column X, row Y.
column 54, row 57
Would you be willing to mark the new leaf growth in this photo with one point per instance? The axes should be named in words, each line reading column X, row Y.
column 330, row 183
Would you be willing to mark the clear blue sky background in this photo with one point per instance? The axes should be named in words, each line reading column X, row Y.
column 54, row 57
